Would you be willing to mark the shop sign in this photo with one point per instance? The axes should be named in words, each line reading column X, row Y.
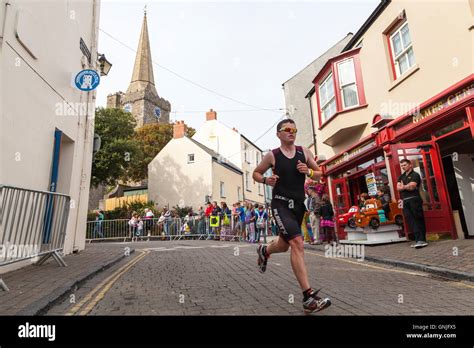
column 443, row 103
column 351, row 154
column 371, row 184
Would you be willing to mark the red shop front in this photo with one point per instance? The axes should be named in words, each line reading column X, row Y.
column 438, row 138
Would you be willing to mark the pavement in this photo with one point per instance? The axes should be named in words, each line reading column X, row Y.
column 216, row 277
column 33, row 289
column 453, row 259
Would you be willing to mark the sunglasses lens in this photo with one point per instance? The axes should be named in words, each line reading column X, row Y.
column 289, row 130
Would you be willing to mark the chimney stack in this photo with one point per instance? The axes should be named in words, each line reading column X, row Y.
column 179, row 130
column 235, row 130
column 211, row 115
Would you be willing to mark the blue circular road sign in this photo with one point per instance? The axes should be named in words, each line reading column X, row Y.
column 87, row 80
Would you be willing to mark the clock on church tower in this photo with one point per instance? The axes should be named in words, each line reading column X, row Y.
column 127, row 107
column 157, row 112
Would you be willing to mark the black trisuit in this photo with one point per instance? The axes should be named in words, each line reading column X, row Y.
column 288, row 194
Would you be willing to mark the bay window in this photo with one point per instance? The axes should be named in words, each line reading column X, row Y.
column 347, row 83
column 339, row 86
column 327, row 98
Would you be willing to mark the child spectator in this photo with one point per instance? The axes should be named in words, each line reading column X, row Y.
column 261, row 223
column 326, row 214
column 133, row 223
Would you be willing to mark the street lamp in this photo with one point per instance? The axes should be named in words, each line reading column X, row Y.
column 104, row 65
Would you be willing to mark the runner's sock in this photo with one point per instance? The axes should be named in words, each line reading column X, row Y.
column 307, row 293
column 265, row 252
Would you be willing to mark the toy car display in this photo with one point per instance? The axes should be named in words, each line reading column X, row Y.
column 373, row 214
column 348, row 219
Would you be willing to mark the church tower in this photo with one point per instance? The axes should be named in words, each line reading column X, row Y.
column 141, row 98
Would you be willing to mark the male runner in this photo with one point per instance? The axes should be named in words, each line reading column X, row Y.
column 290, row 165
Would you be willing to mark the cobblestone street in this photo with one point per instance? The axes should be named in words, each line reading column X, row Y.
column 219, row 278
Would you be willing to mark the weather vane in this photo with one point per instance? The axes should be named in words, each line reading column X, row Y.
column 144, row 10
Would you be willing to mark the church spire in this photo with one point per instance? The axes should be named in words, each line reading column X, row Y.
column 143, row 68
column 141, row 98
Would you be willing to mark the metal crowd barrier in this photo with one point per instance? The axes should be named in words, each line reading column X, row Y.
column 173, row 229
column 32, row 225
column 119, row 229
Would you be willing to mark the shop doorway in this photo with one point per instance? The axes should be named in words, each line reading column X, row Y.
column 457, row 153
column 358, row 181
column 347, row 188
column 341, row 201
column 426, row 161
column 357, row 185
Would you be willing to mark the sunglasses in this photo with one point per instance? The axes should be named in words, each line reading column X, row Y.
column 288, row 130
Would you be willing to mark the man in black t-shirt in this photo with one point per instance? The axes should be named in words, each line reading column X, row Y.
column 409, row 187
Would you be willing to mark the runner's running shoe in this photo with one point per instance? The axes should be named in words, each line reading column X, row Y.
column 315, row 303
column 262, row 258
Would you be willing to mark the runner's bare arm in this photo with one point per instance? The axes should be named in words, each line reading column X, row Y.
column 311, row 163
column 266, row 163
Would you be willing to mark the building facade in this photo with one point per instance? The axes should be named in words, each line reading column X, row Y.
column 392, row 94
column 41, row 106
column 236, row 149
column 187, row 173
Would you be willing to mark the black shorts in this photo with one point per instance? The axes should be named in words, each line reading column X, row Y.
column 289, row 216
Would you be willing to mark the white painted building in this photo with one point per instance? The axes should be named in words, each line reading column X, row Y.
column 40, row 54
column 234, row 148
column 185, row 171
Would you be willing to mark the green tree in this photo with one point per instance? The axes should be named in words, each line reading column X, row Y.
column 182, row 211
column 119, row 150
column 151, row 139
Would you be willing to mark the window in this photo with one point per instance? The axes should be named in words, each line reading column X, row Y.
column 239, row 193
column 247, row 181
column 246, row 149
column 327, row 98
column 401, row 46
column 191, row 158
column 257, row 158
column 339, row 86
column 347, row 83
column 221, row 189
column 448, row 129
column 259, row 189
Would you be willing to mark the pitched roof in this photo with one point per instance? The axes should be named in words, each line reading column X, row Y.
column 215, row 156
column 373, row 16
column 345, row 38
column 251, row 143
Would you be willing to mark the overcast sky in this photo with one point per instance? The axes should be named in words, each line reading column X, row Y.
column 243, row 50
